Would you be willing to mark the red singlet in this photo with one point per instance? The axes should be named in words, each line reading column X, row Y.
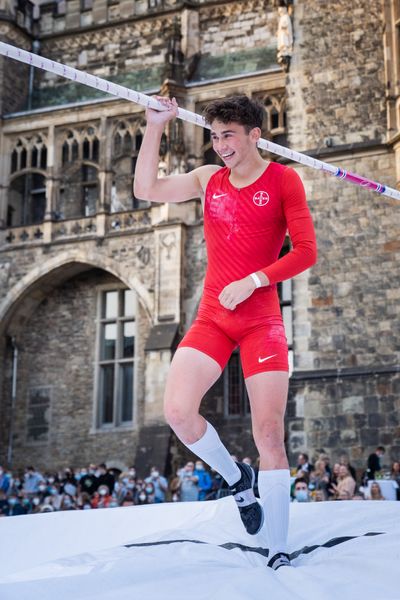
column 244, row 232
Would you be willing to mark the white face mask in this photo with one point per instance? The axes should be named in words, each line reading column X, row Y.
column 301, row 495
column 155, row 474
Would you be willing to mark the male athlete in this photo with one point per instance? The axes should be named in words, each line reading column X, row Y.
column 248, row 207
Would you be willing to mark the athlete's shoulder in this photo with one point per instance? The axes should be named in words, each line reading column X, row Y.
column 277, row 168
column 290, row 175
column 206, row 172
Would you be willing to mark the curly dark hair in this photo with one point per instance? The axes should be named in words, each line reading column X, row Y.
column 235, row 109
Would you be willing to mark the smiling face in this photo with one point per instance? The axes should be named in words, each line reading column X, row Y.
column 233, row 143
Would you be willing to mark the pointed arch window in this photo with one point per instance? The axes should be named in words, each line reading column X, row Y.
column 26, row 200
column 79, row 187
column 127, row 140
column 29, row 153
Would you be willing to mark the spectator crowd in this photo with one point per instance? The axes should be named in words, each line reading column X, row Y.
column 100, row 487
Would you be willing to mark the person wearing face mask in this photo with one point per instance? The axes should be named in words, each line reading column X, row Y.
column 69, row 482
column 142, row 497
column 67, row 503
column 120, row 487
column 15, row 507
column 102, row 498
column 51, row 479
column 43, row 491
column 189, row 488
column 4, row 480
column 159, row 483
column 31, row 481
column 88, row 482
column 37, row 505
column 204, row 479
column 301, row 490
column 105, row 477
column 150, row 492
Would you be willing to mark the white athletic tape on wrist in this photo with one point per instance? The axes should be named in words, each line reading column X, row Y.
column 256, row 279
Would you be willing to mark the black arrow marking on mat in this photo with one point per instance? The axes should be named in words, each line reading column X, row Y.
column 258, row 550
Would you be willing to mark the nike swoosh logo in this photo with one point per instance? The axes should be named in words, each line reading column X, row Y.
column 261, row 360
column 239, row 500
column 215, row 196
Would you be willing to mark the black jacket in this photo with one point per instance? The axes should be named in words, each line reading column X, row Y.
column 374, row 464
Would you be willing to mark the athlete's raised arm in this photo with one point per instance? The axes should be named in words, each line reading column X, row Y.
column 172, row 188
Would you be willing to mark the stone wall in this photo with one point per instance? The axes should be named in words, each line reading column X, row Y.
column 350, row 413
column 336, row 83
column 237, row 25
column 14, row 76
column 111, row 51
column 57, row 352
column 353, row 292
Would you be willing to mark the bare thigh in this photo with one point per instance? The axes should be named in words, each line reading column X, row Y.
column 191, row 375
column 268, row 397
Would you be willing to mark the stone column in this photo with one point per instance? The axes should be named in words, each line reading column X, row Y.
column 397, row 158
column 190, row 29
column 105, row 179
column 167, row 314
column 51, row 185
column 104, row 167
column 168, row 243
column 4, row 169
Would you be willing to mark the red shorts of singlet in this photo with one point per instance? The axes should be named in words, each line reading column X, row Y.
column 217, row 331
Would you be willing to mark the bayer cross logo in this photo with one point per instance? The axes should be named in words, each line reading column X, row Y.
column 261, row 198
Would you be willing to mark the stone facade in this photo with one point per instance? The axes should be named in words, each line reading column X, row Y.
column 79, row 232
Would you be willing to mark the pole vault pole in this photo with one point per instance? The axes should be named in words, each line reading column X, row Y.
column 147, row 101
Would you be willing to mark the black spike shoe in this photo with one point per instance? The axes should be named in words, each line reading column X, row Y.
column 251, row 512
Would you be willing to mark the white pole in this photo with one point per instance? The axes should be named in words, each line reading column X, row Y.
column 123, row 92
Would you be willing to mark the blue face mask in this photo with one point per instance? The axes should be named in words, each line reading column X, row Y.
column 301, row 496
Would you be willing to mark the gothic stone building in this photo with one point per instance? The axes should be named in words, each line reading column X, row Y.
column 97, row 287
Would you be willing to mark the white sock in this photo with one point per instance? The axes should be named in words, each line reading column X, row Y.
column 210, row 449
column 274, row 489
